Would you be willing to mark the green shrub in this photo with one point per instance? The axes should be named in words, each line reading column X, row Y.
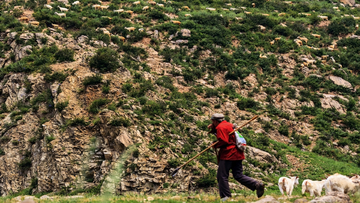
column 76, row 122
column 209, row 180
column 49, row 138
column 5, row 139
column 120, row 122
column 173, row 162
column 92, row 80
column 2, row 152
column 247, row 103
column 209, row 92
column 136, row 153
column 25, row 163
column 270, row 91
column 57, row 76
column 46, row 97
column 105, row 60
column 96, row 104
column 33, row 140
column 60, row 106
column 106, row 87
column 166, row 82
column 65, row 55
column 284, row 130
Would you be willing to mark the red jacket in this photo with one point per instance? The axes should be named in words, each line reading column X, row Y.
column 228, row 149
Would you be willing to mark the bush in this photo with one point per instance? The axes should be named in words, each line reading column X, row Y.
column 105, row 60
column 166, row 82
column 60, row 106
column 57, row 76
column 337, row 27
column 284, row 130
column 92, row 80
column 76, row 122
column 65, row 55
column 25, row 163
column 209, row 180
column 120, row 122
column 2, row 152
column 33, row 140
column 49, row 138
column 247, row 103
column 96, row 104
column 174, row 163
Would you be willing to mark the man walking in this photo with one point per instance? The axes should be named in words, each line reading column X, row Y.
column 230, row 157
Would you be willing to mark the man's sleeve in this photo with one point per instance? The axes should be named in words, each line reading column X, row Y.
column 222, row 138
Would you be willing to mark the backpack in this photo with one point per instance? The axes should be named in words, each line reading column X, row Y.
column 240, row 141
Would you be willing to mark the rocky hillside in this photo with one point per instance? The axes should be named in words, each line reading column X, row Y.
column 112, row 96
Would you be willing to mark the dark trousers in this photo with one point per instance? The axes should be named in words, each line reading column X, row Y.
column 237, row 170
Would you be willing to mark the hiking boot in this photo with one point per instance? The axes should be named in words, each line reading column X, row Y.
column 260, row 187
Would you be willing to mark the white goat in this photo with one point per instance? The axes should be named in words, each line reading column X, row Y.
column 341, row 183
column 119, row 11
column 355, row 179
column 313, row 187
column 63, row 9
column 48, row 6
column 287, row 185
column 61, row 14
column 76, row 3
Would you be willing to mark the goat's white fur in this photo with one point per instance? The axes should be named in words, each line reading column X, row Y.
column 288, row 184
column 313, row 187
column 341, row 183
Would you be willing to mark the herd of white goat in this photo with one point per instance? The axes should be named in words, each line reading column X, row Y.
column 336, row 182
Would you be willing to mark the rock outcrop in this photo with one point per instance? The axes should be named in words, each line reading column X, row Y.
column 341, row 82
column 332, row 197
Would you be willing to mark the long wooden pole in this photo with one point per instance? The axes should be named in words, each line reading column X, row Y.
column 213, row 144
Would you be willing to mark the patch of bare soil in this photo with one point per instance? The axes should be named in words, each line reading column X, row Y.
column 297, row 165
column 324, row 23
column 27, row 13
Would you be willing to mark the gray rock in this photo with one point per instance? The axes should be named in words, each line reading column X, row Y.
column 156, row 34
column 267, row 199
column 64, row 1
column 302, row 200
column 27, row 36
column 185, row 32
column 332, row 197
column 260, row 155
column 82, row 39
column 99, row 44
column 12, row 35
column 19, row 54
column 181, row 41
column 341, row 82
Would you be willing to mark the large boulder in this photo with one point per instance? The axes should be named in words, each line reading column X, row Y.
column 332, row 197
column 260, row 155
column 348, row 2
column 341, row 82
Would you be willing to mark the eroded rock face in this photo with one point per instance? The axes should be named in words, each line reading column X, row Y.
column 348, row 2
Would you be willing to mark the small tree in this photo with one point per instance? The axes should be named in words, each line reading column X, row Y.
column 105, row 60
